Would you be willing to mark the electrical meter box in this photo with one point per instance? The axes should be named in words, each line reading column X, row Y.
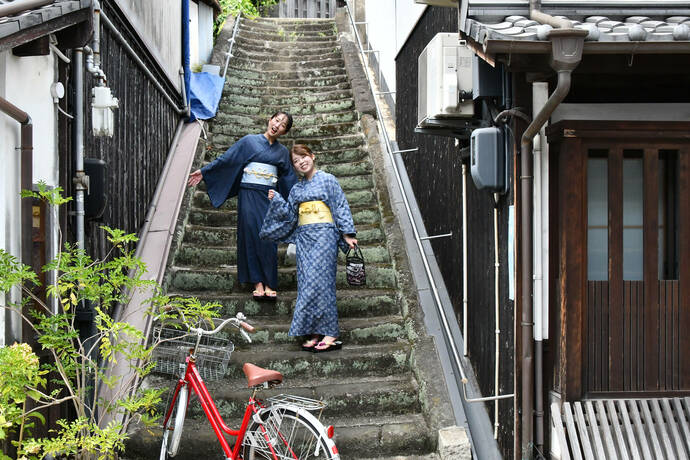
column 445, row 80
column 488, row 159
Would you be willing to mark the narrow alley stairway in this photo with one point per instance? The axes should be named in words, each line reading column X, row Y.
column 375, row 398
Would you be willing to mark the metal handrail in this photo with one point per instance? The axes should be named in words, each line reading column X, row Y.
column 418, row 239
column 232, row 42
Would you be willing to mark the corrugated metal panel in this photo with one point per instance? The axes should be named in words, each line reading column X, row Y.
column 623, row 429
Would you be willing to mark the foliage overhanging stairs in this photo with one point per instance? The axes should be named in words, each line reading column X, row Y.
column 372, row 394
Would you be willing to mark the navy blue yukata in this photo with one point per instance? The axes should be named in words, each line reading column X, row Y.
column 257, row 259
column 317, row 250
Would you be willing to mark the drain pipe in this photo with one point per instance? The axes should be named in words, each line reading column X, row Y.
column 26, row 163
column 497, row 313
column 81, row 180
column 93, row 54
column 566, row 53
column 465, row 347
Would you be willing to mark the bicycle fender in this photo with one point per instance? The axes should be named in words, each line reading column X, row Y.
column 309, row 417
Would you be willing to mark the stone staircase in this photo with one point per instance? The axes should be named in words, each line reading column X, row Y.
column 374, row 398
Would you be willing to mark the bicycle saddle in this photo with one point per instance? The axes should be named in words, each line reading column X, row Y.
column 257, row 375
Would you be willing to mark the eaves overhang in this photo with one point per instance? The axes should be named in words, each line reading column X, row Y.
column 30, row 25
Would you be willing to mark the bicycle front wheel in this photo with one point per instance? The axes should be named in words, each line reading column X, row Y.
column 288, row 433
column 178, row 419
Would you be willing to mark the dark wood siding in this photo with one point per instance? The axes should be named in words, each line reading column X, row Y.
column 144, row 126
column 435, row 172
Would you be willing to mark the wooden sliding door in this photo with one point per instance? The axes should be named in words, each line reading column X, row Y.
column 634, row 317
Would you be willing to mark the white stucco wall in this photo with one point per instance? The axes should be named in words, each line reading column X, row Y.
column 159, row 24
column 205, row 33
column 193, row 34
column 390, row 22
column 25, row 82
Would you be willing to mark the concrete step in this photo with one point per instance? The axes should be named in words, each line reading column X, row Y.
column 306, row 23
column 314, row 27
column 353, row 331
column 266, row 54
column 296, row 37
column 284, row 65
column 224, row 278
column 297, row 110
column 300, row 94
column 298, row 130
column 283, row 74
column 251, row 121
column 281, row 33
column 381, row 359
column 388, row 395
column 360, row 302
column 317, row 144
column 314, row 82
column 282, row 101
column 224, row 218
column 248, row 49
column 382, row 436
column 305, row 28
column 280, row 46
column 227, row 236
column 192, row 255
column 356, row 438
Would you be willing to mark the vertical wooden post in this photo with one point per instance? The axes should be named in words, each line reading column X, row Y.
column 573, row 264
column 617, row 357
column 684, row 264
column 651, row 269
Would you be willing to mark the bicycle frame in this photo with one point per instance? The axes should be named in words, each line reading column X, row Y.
column 193, row 379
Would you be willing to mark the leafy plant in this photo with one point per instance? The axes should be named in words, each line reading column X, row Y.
column 83, row 364
column 249, row 8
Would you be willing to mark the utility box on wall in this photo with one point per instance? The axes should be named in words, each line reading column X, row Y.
column 445, row 80
column 488, row 159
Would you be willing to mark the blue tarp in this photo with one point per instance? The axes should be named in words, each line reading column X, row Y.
column 205, row 90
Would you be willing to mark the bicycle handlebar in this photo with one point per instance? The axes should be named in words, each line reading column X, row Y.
column 237, row 321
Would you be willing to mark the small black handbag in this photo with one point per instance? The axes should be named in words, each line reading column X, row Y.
column 354, row 267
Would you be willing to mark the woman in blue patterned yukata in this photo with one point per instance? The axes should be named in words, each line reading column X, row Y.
column 317, row 218
column 248, row 169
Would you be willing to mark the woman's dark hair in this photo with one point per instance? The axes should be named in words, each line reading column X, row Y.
column 289, row 119
column 300, row 150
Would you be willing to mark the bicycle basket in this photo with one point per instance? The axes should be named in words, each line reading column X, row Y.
column 212, row 356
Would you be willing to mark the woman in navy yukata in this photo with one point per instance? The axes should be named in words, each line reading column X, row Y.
column 317, row 218
column 248, row 169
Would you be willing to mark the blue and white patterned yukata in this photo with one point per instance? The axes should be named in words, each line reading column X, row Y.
column 317, row 250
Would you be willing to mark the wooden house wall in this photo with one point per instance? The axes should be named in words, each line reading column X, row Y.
column 144, row 127
column 435, row 172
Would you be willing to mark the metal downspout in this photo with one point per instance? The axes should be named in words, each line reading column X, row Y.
column 26, row 181
column 78, row 152
column 185, row 49
column 566, row 53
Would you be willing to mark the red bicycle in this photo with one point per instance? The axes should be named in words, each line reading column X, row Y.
column 281, row 427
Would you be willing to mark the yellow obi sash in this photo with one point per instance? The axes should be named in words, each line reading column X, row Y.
column 314, row 212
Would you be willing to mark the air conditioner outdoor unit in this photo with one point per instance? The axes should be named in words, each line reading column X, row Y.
column 445, row 81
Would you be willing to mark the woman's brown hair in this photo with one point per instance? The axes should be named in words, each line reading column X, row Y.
column 301, row 150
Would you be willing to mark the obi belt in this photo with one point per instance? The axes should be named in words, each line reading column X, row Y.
column 260, row 173
column 314, row 212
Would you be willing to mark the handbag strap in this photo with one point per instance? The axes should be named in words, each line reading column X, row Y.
column 357, row 252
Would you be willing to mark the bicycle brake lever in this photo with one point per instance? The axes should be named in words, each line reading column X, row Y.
column 246, row 336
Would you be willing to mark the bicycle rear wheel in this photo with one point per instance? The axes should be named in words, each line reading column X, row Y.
column 289, row 433
column 171, row 440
